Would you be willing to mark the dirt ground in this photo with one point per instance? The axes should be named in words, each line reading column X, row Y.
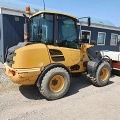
column 82, row 102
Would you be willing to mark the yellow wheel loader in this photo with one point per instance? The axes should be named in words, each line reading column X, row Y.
column 53, row 52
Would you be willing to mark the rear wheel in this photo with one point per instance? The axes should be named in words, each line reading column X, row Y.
column 103, row 74
column 55, row 83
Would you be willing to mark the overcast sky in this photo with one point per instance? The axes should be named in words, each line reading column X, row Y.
column 102, row 9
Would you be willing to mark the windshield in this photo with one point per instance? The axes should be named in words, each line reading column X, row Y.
column 41, row 29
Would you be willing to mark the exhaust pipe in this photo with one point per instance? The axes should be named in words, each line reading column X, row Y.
column 26, row 32
column 26, row 38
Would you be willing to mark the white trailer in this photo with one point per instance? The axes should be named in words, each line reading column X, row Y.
column 114, row 56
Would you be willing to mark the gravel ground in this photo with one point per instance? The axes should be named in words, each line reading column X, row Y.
column 82, row 102
column 3, row 77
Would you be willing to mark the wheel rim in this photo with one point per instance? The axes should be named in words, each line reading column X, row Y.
column 56, row 83
column 104, row 74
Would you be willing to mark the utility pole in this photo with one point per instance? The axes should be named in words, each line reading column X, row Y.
column 44, row 4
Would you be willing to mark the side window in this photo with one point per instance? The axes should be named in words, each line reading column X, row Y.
column 67, row 32
column 34, row 23
column 101, row 38
column 47, row 28
column 41, row 29
column 114, row 39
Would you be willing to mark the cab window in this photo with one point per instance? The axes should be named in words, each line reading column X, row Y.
column 67, row 32
column 41, row 29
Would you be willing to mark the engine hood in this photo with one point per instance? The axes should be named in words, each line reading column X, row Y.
column 28, row 55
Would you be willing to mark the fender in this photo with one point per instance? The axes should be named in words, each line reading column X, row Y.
column 92, row 66
column 47, row 68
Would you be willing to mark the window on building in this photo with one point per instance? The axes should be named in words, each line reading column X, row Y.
column 86, row 35
column 114, row 39
column 101, row 38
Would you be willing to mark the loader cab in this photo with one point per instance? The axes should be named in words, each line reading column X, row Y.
column 54, row 29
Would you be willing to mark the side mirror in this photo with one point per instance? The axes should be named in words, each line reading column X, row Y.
column 89, row 21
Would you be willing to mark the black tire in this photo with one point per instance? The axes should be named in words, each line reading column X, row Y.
column 103, row 75
column 55, row 78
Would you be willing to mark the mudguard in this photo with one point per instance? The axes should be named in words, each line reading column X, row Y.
column 92, row 66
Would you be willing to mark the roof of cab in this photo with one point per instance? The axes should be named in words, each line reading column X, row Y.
column 53, row 12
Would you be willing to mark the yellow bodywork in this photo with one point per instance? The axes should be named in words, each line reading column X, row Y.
column 30, row 60
column 28, row 63
column 73, row 56
column 31, row 56
column 22, row 76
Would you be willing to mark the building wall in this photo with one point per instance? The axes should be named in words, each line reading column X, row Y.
column 13, row 31
column 94, row 35
column 1, row 39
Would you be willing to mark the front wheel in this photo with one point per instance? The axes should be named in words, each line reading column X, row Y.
column 103, row 74
column 55, row 83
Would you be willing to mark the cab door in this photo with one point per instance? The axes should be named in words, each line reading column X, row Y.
column 66, row 49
